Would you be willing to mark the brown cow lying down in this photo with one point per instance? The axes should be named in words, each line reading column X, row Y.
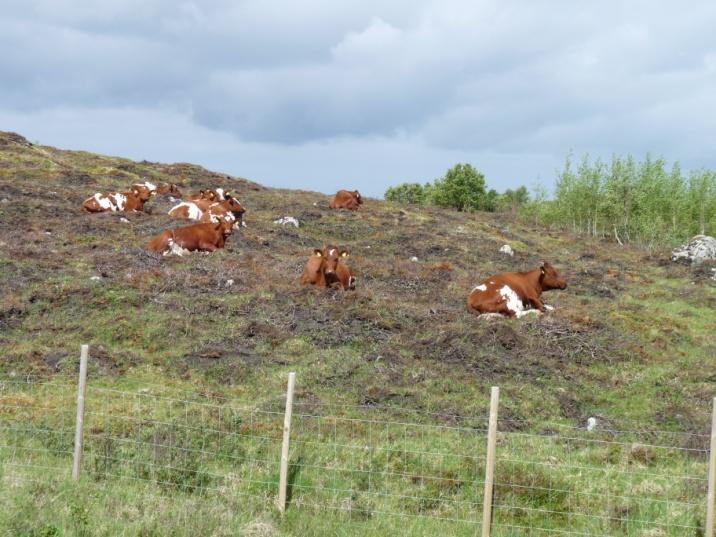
column 327, row 268
column 207, row 211
column 126, row 201
column 161, row 188
column 207, row 237
column 218, row 194
column 514, row 293
column 346, row 200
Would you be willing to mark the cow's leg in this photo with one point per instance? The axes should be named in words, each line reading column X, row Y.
column 208, row 247
column 536, row 303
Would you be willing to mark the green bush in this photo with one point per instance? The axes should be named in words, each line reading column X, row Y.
column 462, row 188
column 407, row 193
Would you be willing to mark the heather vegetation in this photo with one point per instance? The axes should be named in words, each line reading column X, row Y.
column 187, row 353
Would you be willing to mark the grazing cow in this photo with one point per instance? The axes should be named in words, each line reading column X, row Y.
column 126, row 201
column 218, row 194
column 205, row 237
column 513, row 293
column 161, row 188
column 327, row 268
column 205, row 211
column 346, row 200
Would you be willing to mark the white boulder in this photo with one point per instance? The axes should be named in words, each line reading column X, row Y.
column 287, row 220
column 699, row 249
column 507, row 249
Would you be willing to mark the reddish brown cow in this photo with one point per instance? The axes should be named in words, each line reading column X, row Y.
column 346, row 200
column 205, row 237
column 126, row 201
column 327, row 268
column 513, row 293
column 161, row 188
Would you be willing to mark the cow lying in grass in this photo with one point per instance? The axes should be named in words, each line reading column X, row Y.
column 161, row 188
column 515, row 293
column 207, row 211
column 125, row 201
column 205, row 237
column 345, row 199
column 327, row 268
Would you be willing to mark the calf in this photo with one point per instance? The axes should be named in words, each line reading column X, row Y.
column 513, row 293
column 205, row 237
column 126, row 201
column 346, row 200
column 327, row 268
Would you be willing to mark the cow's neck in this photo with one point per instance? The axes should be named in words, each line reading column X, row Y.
column 533, row 277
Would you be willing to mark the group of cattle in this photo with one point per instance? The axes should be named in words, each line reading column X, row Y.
column 217, row 212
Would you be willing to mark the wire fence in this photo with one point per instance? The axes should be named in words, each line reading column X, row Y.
column 363, row 462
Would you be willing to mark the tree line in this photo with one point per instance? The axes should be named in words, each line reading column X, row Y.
column 629, row 201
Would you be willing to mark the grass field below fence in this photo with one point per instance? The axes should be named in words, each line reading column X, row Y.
column 193, row 463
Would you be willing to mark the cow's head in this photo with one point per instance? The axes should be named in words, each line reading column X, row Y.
column 233, row 205
column 331, row 256
column 550, row 279
column 207, row 195
column 142, row 194
column 225, row 226
column 169, row 188
column 357, row 197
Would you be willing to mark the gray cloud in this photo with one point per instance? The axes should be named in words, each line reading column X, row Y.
column 484, row 81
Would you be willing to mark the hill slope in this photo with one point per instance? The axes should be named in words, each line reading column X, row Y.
column 630, row 336
column 630, row 341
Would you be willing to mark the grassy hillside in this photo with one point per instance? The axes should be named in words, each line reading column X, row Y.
column 630, row 341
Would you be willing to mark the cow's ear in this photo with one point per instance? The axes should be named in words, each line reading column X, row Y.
column 317, row 253
column 344, row 254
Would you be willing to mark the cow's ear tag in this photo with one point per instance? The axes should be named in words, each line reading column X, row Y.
column 318, row 253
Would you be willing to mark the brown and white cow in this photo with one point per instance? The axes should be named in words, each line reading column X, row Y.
column 346, row 200
column 205, row 237
column 118, row 201
column 161, row 188
column 204, row 210
column 514, row 293
column 217, row 194
column 327, row 268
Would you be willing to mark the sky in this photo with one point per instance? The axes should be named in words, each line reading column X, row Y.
column 322, row 95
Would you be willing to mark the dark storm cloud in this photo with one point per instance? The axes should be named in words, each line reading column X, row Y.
column 474, row 79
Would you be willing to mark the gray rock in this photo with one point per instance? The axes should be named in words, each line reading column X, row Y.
column 699, row 249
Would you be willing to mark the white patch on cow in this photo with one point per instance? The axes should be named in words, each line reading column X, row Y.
column 104, row 202
column 481, row 287
column 220, row 192
column 120, row 200
column 150, row 186
column 193, row 211
column 332, row 251
column 512, row 301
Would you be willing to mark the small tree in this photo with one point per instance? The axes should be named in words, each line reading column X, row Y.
column 462, row 188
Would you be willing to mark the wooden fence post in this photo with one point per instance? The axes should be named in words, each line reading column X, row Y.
column 711, row 495
column 490, row 462
column 77, row 461
column 283, row 481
